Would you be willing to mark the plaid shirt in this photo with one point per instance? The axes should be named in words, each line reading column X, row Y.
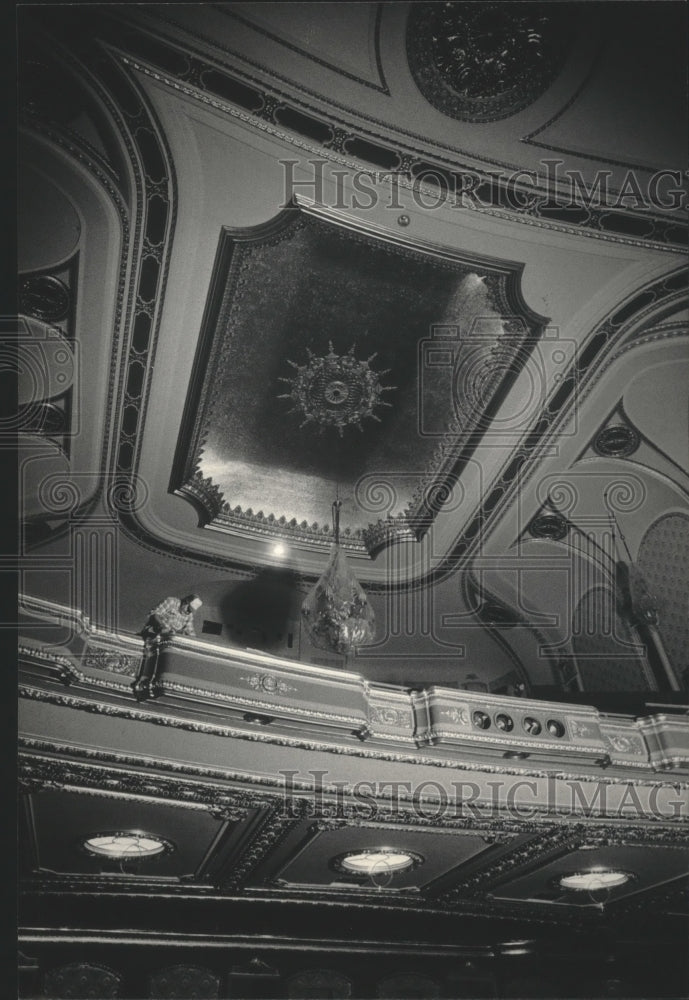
column 173, row 618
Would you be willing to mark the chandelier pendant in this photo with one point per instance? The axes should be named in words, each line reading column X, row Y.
column 336, row 614
column 336, row 390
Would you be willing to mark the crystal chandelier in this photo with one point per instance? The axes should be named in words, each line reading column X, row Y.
column 336, row 613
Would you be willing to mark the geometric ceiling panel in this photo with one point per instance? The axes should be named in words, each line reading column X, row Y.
column 61, row 821
column 646, row 866
column 434, row 854
column 443, row 335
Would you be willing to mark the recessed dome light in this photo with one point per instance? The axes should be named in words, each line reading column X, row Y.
column 131, row 845
column 364, row 864
column 594, row 879
column 376, row 861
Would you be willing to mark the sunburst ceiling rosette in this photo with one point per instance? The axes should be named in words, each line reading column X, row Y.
column 336, row 390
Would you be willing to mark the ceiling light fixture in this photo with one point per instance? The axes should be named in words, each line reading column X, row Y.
column 336, row 614
column 129, row 845
column 279, row 550
column 376, row 861
column 593, row 879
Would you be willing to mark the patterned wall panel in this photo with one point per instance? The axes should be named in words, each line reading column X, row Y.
column 598, row 638
column 664, row 563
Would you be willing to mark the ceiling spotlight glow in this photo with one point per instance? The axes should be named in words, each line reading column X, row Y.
column 595, row 878
column 129, row 845
column 279, row 550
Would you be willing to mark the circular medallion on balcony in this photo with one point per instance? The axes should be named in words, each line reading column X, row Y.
column 483, row 61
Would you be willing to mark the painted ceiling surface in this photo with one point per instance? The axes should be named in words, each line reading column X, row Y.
column 423, row 322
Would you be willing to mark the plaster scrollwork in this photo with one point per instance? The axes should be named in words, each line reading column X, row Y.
column 269, row 683
column 624, row 744
column 114, row 660
column 460, row 716
column 395, row 717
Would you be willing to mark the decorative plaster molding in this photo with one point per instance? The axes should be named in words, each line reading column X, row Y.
column 417, row 758
column 335, row 701
column 471, row 74
column 396, row 153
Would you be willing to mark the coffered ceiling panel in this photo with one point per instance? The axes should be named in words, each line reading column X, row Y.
column 60, row 822
column 317, row 861
column 335, row 360
column 646, row 867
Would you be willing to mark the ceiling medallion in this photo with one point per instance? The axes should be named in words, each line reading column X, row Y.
column 617, row 441
column 44, row 296
column 551, row 526
column 480, row 62
column 336, row 390
column 336, row 614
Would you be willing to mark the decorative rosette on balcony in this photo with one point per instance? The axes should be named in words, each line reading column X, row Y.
column 336, row 613
column 335, row 390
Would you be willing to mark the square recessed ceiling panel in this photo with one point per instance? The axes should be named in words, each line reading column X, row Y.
column 646, row 866
column 334, row 358
column 318, row 860
column 61, row 821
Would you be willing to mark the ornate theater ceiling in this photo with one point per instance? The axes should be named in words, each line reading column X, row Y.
column 442, row 336
column 276, row 254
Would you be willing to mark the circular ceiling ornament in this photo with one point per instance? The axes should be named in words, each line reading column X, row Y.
column 550, row 526
column 379, row 864
column 617, row 441
column 336, row 390
column 44, row 296
column 593, row 880
column 480, row 62
column 128, row 845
